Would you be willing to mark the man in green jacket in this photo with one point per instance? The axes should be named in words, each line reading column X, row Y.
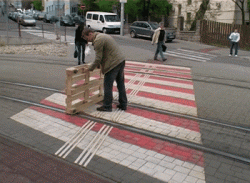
column 112, row 62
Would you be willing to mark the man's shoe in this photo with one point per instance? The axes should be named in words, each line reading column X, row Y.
column 103, row 109
column 122, row 107
column 229, row 55
column 164, row 59
column 236, row 55
column 155, row 59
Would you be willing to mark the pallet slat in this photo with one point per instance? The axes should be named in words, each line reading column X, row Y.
column 82, row 92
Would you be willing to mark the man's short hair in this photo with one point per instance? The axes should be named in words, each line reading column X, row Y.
column 161, row 23
column 87, row 31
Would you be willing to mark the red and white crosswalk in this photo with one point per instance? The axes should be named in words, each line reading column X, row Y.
column 160, row 159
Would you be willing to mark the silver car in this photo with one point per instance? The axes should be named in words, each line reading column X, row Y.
column 27, row 20
column 147, row 29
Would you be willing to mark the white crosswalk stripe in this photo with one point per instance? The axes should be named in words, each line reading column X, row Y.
column 190, row 55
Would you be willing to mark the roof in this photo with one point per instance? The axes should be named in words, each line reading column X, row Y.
column 100, row 12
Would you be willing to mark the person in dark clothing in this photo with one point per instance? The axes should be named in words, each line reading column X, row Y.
column 80, row 43
column 159, row 38
column 112, row 61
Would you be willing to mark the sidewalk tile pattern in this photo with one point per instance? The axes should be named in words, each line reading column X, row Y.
column 156, row 158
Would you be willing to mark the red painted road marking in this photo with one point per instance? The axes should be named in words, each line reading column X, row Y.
column 164, row 118
column 162, row 73
column 158, row 67
column 165, row 98
column 165, row 87
column 162, row 147
column 175, row 80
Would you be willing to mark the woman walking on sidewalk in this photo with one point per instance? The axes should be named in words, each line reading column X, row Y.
column 80, row 43
column 159, row 38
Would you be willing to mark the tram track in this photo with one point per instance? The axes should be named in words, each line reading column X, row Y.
column 141, row 131
column 195, row 77
column 160, row 111
column 204, row 148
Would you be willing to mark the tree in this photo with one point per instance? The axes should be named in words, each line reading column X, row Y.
column 131, row 8
column 38, row 5
column 107, row 5
column 248, row 7
column 200, row 13
column 90, row 6
column 241, row 5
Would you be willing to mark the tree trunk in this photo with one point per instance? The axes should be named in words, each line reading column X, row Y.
column 200, row 13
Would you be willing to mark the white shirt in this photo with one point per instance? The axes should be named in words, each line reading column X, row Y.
column 234, row 37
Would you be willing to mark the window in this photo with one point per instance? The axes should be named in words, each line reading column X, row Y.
column 218, row 5
column 144, row 25
column 189, row 2
column 101, row 18
column 188, row 18
column 179, row 9
column 89, row 16
column 135, row 24
column 139, row 25
column 95, row 17
column 112, row 18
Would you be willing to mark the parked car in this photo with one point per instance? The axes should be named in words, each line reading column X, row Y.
column 78, row 19
column 35, row 15
column 147, row 29
column 18, row 16
column 54, row 19
column 66, row 21
column 41, row 16
column 10, row 15
column 47, row 18
column 103, row 21
column 27, row 20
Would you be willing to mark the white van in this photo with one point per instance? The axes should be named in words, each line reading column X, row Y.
column 103, row 21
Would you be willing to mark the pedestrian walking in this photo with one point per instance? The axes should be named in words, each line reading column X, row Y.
column 234, row 40
column 112, row 62
column 159, row 38
column 80, row 43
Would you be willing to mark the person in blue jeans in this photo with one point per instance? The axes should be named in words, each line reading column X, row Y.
column 80, row 43
column 234, row 39
column 159, row 38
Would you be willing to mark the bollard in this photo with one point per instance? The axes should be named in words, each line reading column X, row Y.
column 42, row 31
column 19, row 28
column 65, row 33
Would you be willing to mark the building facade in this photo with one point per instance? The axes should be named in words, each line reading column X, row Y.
column 226, row 11
column 61, row 7
column 11, row 4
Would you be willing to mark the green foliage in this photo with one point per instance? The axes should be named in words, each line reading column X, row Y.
column 38, row 5
column 131, row 7
column 90, row 6
column 155, row 7
column 248, row 5
column 107, row 5
column 160, row 7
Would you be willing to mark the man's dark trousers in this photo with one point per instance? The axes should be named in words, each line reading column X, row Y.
column 116, row 74
column 235, row 46
column 81, row 50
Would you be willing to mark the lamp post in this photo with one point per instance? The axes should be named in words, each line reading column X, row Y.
column 122, row 17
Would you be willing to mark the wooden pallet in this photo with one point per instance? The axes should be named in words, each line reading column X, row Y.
column 82, row 91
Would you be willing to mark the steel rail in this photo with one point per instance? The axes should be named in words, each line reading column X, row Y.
column 201, row 120
column 143, row 132
column 32, row 86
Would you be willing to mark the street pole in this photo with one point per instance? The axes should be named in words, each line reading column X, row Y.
column 122, row 18
column 7, row 20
